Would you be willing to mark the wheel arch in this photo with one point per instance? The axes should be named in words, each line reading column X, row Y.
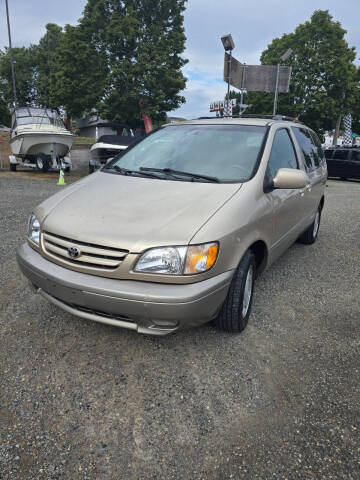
column 260, row 251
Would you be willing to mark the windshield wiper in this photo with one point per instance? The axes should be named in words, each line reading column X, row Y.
column 170, row 171
column 126, row 171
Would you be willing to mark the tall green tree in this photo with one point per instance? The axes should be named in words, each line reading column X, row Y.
column 25, row 67
column 81, row 72
column 324, row 78
column 142, row 42
column 47, row 66
column 4, row 113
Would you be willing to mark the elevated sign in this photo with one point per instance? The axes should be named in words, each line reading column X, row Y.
column 256, row 78
column 220, row 105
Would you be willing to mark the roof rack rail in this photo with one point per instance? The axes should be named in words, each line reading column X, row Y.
column 254, row 115
column 271, row 117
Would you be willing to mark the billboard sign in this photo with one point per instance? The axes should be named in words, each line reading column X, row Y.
column 256, row 78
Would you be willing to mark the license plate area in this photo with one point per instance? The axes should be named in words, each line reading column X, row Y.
column 66, row 294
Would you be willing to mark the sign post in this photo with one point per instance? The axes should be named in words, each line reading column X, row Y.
column 284, row 57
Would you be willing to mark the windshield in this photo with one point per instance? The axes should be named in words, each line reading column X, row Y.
column 41, row 116
column 228, row 153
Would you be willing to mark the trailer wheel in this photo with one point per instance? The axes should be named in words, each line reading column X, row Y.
column 13, row 167
column 42, row 162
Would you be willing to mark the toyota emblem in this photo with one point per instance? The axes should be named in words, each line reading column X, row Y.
column 73, row 252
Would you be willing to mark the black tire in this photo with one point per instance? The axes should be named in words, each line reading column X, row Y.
column 310, row 235
column 233, row 316
column 91, row 168
column 42, row 162
column 13, row 167
column 67, row 169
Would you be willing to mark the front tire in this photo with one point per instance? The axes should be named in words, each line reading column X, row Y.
column 235, row 312
column 310, row 235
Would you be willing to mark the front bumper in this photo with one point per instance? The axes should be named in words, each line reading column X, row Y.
column 146, row 307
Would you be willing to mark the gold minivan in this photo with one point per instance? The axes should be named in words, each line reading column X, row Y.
column 173, row 232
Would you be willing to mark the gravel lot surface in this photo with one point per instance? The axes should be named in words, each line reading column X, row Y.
column 81, row 400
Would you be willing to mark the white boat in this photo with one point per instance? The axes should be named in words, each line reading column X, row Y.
column 107, row 146
column 39, row 132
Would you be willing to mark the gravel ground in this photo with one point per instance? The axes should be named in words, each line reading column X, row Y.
column 81, row 400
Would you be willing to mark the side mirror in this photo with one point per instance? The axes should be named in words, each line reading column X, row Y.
column 290, row 178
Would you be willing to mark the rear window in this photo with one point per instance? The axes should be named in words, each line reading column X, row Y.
column 311, row 153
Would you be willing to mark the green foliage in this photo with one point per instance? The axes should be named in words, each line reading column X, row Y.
column 142, row 42
column 4, row 113
column 47, row 66
column 24, row 65
column 120, row 53
column 324, row 78
column 81, row 72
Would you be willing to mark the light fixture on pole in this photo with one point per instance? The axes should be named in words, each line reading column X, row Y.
column 229, row 45
column 283, row 58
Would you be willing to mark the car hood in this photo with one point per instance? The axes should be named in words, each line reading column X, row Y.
column 132, row 213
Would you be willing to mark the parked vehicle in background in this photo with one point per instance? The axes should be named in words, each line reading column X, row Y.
column 343, row 162
column 3, row 128
column 174, row 232
column 107, row 146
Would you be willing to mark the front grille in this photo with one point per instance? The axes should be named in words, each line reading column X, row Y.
column 91, row 255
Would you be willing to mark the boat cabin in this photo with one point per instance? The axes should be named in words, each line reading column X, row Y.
column 33, row 115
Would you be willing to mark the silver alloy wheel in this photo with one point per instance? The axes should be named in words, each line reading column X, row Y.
column 39, row 163
column 316, row 224
column 248, row 291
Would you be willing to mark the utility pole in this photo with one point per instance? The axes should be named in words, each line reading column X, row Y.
column 11, row 54
column 276, row 89
column 228, row 86
column 229, row 45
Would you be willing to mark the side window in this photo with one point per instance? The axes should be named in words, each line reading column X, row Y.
column 328, row 153
column 355, row 155
column 309, row 150
column 282, row 153
column 341, row 154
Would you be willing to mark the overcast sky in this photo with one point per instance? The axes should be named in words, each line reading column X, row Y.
column 253, row 24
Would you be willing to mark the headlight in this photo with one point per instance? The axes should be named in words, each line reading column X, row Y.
column 178, row 260
column 34, row 229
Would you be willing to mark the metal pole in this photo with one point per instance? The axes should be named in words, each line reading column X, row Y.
column 276, row 89
column 228, row 87
column 11, row 55
column 242, row 88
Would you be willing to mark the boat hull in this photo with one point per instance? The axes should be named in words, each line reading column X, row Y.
column 30, row 145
